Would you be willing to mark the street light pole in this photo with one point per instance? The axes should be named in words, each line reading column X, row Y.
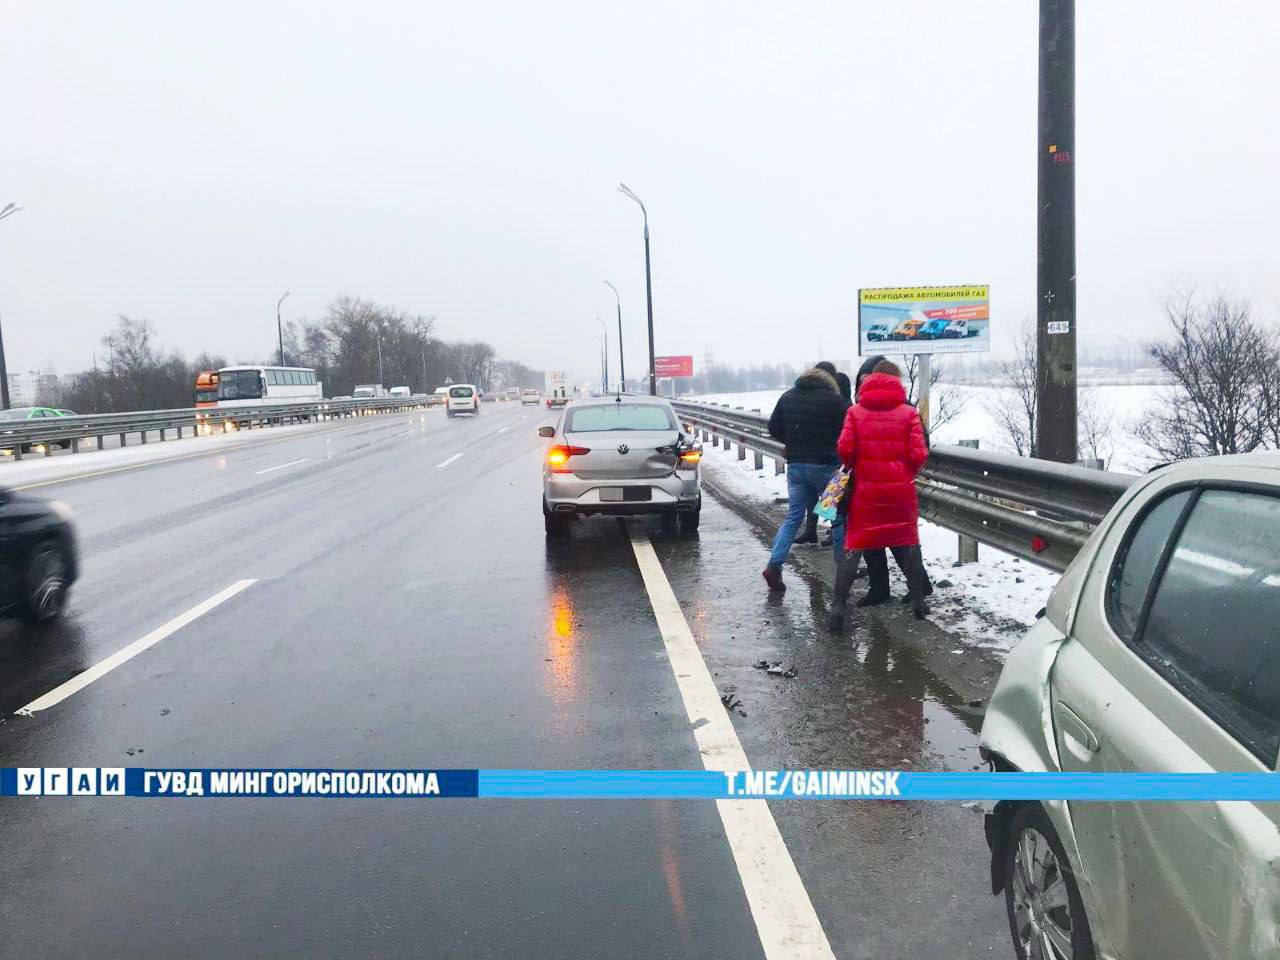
column 605, row 365
column 648, row 286
column 8, row 211
column 622, row 363
column 280, row 326
column 380, row 380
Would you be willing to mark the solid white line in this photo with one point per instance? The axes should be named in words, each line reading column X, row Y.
column 445, row 463
column 503, row 430
column 103, row 667
column 258, row 473
column 786, row 922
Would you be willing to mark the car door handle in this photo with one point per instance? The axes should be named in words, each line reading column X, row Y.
column 1077, row 729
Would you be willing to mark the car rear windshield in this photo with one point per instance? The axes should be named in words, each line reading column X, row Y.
column 604, row 417
column 460, row 392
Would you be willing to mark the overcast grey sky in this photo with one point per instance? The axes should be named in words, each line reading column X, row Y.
column 189, row 162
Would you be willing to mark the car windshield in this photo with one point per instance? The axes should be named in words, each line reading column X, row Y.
column 603, row 417
column 240, row 385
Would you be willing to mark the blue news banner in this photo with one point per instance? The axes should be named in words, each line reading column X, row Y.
column 630, row 784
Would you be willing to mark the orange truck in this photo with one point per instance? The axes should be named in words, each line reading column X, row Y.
column 206, row 394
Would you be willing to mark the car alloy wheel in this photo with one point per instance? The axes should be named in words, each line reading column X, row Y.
column 47, row 582
column 1041, row 902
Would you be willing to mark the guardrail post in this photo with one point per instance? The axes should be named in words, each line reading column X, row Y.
column 742, row 451
column 48, row 449
column 75, row 444
column 779, row 467
column 967, row 547
column 759, row 457
column 122, row 442
column 99, row 441
column 143, row 434
column 162, row 434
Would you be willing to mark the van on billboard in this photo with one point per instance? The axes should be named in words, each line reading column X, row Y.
column 909, row 320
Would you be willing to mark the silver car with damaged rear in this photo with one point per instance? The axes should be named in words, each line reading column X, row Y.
column 620, row 456
column 1159, row 651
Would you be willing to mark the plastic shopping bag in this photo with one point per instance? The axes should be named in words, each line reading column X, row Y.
column 829, row 502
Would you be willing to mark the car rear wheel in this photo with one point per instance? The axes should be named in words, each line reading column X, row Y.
column 1046, row 913
column 556, row 524
column 45, row 586
column 689, row 521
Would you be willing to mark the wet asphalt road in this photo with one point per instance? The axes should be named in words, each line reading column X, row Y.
column 408, row 611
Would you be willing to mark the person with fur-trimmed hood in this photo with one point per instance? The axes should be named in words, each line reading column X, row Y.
column 807, row 420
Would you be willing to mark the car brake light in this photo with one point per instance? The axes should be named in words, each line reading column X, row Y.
column 1039, row 544
column 690, row 457
column 558, row 456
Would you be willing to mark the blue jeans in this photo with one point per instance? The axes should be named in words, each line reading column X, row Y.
column 805, row 483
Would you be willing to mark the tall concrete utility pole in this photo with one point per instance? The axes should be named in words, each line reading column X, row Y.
column 1056, row 236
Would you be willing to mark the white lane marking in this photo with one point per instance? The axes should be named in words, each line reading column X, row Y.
column 445, row 463
column 504, row 430
column 786, row 922
column 103, row 667
column 258, row 473
column 405, row 434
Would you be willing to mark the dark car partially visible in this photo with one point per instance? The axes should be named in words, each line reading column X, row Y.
column 38, row 558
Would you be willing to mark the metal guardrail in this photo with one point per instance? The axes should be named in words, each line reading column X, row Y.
column 1036, row 509
column 20, row 436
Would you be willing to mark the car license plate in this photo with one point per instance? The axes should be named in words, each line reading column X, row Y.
column 625, row 494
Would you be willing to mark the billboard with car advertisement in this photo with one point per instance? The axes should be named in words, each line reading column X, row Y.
column 908, row 320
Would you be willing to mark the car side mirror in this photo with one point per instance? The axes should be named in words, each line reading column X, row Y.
column 547, row 432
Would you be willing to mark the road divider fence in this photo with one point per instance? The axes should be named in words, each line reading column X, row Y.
column 43, row 434
column 1035, row 509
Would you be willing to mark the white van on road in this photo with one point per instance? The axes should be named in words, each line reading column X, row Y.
column 462, row 398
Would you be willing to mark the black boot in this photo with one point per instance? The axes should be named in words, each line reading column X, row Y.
column 878, row 574
column 912, row 564
column 840, row 598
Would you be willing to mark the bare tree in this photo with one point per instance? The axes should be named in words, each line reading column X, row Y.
column 1095, row 420
column 944, row 405
column 1012, row 404
column 1225, row 364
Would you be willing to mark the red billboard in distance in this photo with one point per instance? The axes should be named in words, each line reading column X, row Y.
column 681, row 366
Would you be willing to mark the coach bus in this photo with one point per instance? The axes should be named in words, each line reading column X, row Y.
column 260, row 386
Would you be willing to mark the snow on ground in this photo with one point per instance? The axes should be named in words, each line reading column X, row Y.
column 1124, row 402
column 986, row 604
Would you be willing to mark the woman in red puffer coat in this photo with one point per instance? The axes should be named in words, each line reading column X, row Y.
column 883, row 444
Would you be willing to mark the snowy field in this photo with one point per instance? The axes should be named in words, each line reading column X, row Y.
column 987, row 603
column 1124, row 405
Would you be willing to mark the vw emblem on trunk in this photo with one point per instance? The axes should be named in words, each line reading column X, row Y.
column 623, row 448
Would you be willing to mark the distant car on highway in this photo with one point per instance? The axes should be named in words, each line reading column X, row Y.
column 38, row 558
column 27, row 413
column 1157, row 653
column 400, row 393
column 620, row 457
column 530, row 396
column 462, row 398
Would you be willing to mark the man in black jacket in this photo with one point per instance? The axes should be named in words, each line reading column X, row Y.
column 807, row 420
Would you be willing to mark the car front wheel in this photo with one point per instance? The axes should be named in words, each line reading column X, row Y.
column 1046, row 913
column 45, row 589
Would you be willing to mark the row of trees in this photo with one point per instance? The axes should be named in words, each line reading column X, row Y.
column 343, row 346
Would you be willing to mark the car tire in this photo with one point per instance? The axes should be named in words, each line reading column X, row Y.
column 689, row 521
column 555, row 524
column 1033, row 840
column 44, row 583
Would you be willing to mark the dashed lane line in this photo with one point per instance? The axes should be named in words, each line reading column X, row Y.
column 280, row 466
column 124, row 655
